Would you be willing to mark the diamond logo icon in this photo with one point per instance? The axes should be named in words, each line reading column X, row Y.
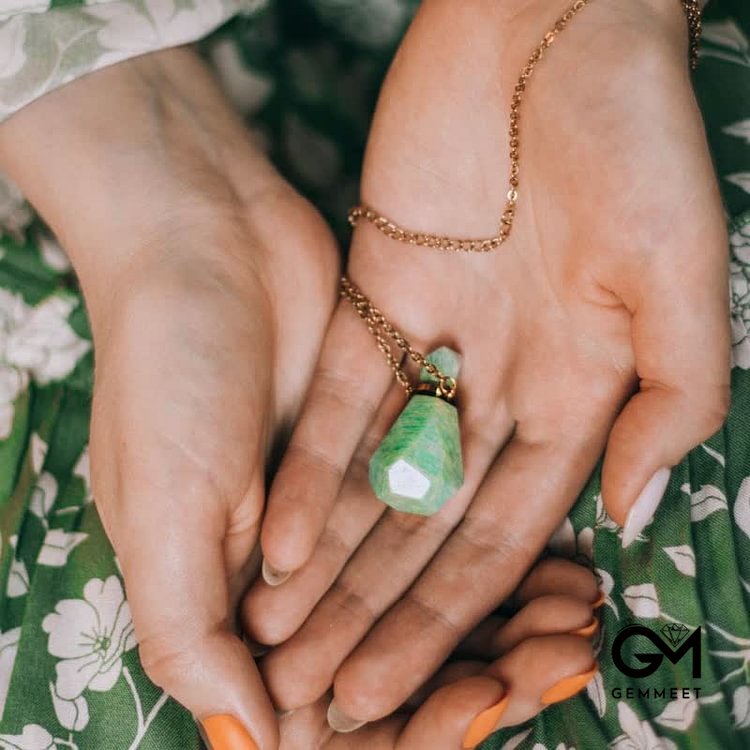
column 675, row 633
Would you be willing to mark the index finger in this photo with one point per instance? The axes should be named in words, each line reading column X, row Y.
column 347, row 389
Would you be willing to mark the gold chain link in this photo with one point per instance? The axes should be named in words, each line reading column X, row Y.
column 376, row 322
column 695, row 29
column 379, row 326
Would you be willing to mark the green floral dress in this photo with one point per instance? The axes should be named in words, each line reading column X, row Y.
column 305, row 73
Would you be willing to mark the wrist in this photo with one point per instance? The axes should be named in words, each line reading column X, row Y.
column 141, row 152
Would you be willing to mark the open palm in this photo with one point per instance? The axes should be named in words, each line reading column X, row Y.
column 614, row 275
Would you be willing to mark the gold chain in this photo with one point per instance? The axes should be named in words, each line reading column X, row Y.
column 382, row 330
column 376, row 322
column 695, row 28
column 442, row 242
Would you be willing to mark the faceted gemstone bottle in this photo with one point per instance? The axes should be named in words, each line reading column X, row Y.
column 418, row 467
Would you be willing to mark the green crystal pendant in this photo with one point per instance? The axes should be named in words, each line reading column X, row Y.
column 418, row 466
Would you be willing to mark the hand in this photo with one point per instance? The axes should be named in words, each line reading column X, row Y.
column 504, row 673
column 209, row 283
column 613, row 279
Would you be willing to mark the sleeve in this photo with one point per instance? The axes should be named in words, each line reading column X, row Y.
column 47, row 43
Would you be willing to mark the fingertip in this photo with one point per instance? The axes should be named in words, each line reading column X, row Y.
column 485, row 723
column 461, row 714
column 273, row 576
column 340, row 721
column 287, row 539
column 299, row 505
column 569, row 686
column 543, row 670
column 226, row 732
column 642, row 511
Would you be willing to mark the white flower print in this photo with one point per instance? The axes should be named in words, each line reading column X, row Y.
column 35, row 342
column 8, row 650
column 90, row 635
column 739, row 129
column 12, row 384
column 603, row 521
column 247, row 89
column 739, row 290
column 705, row 501
column 515, row 741
column 82, row 470
column 27, row 6
column 741, row 653
column 607, row 585
column 742, row 507
column 683, row 558
column 15, row 212
column 740, row 179
column 43, row 342
column 725, row 40
column 43, row 497
column 637, row 734
column 58, row 545
column 12, row 45
column 642, row 600
column 33, row 737
column 52, row 253
column 73, row 715
column 741, row 707
column 18, row 577
column 369, row 22
column 130, row 28
column 597, row 694
column 679, row 714
column 565, row 543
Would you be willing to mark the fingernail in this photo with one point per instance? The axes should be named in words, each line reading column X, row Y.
column 341, row 722
column 644, row 507
column 485, row 724
column 587, row 630
column 224, row 732
column 599, row 601
column 567, row 687
column 272, row 576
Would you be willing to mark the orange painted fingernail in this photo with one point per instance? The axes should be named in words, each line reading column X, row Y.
column 224, row 732
column 588, row 630
column 599, row 601
column 485, row 724
column 567, row 687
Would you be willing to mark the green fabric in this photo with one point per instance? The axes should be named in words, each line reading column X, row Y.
column 306, row 73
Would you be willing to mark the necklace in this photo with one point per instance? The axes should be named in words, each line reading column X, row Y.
column 418, row 467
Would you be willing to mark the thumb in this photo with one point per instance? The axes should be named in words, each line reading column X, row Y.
column 177, row 577
column 682, row 359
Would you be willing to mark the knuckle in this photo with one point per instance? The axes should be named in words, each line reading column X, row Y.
column 434, row 615
column 714, row 410
column 361, row 691
column 166, row 662
column 343, row 392
column 486, row 535
column 304, row 457
column 352, row 602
